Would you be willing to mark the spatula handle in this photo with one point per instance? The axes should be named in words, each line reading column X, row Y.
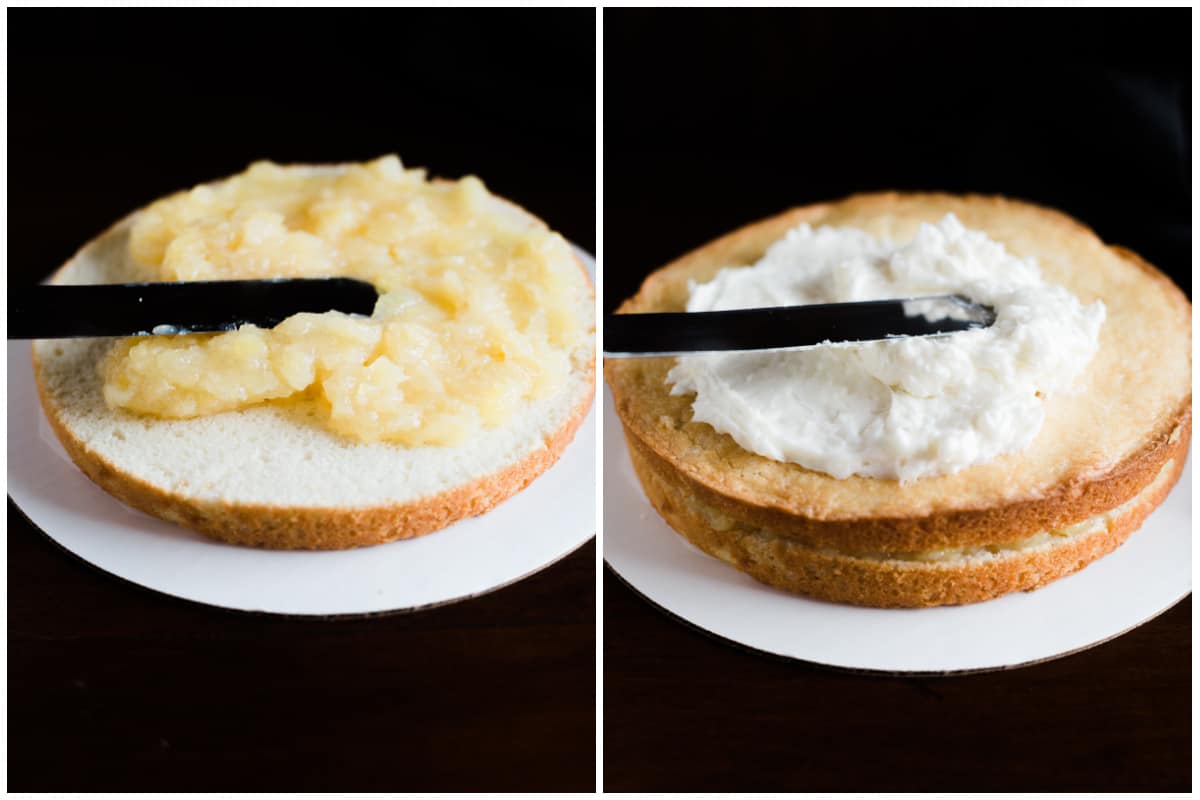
column 143, row 309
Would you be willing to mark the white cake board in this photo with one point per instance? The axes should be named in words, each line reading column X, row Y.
column 546, row 521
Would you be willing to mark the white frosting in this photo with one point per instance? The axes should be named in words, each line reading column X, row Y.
column 903, row 408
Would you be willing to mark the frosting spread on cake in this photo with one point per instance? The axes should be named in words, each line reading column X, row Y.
column 900, row 409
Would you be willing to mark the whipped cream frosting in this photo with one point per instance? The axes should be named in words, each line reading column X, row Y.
column 903, row 408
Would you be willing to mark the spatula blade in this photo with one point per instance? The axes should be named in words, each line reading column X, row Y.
column 786, row 327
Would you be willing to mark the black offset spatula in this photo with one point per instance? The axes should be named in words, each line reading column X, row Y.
column 154, row 309
column 672, row 334
column 149, row 309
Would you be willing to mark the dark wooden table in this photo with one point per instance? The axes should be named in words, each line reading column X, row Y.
column 113, row 687
column 684, row 711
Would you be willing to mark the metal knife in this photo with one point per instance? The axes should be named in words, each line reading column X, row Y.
column 672, row 334
column 155, row 309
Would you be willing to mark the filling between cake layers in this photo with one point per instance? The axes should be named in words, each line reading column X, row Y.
column 1039, row 541
column 481, row 310
column 903, row 408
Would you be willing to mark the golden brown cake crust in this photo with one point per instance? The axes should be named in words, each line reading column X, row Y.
column 1100, row 446
column 840, row 578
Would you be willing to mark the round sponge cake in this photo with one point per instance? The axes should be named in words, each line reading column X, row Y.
column 1108, row 452
column 266, row 476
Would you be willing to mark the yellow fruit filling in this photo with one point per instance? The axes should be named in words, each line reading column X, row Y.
column 480, row 311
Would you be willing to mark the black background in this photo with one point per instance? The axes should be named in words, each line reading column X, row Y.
column 108, row 111
column 716, row 119
column 116, row 688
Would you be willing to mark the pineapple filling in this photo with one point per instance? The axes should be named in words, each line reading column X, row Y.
column 722, row 522
column 481, row 309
